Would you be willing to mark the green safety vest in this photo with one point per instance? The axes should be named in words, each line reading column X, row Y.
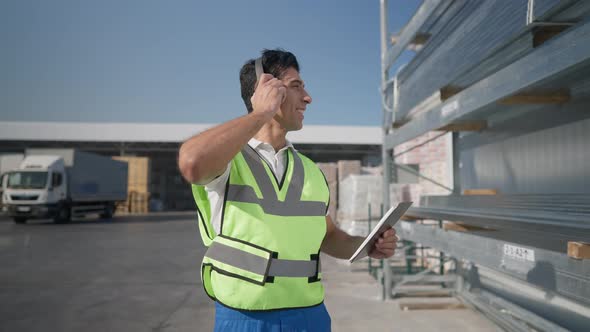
column 266, row 255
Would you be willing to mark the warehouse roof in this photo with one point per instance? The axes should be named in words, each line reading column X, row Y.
column 154, row 132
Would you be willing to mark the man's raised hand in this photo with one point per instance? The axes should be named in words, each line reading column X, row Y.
column 269, row 95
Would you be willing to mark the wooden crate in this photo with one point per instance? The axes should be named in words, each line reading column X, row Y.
column 138, row 202
column 138, row 173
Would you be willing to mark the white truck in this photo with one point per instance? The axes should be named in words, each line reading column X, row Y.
column 8, row 162
column 64, row 183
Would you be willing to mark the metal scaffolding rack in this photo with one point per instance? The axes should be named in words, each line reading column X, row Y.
column 511, row 81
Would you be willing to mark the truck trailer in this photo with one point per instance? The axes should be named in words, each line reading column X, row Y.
column 64, row 183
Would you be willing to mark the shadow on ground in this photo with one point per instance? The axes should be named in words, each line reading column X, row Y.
column 117, row 219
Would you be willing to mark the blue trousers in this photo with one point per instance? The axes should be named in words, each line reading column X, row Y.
column 313, row 319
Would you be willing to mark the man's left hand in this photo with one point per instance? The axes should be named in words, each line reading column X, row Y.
column 385, row 245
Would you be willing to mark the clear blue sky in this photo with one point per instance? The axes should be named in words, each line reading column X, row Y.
column 178, row 61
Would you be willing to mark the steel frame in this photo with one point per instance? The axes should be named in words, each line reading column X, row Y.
column 571, row 276
column 547, row 289
column 559, row 284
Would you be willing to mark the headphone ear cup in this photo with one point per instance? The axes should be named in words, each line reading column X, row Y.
column 258, row 68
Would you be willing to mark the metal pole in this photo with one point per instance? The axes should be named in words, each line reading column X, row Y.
column 370, row 267
column 441, row 255
column 385, row 154
column 456, row 165
column 381, row 260
column 530, row 12
column 122, row 149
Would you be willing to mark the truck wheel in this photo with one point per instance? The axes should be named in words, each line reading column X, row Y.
column 64, row 215
column 19, row 220
column 109, row 211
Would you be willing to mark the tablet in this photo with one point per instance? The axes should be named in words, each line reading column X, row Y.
column 389, row 219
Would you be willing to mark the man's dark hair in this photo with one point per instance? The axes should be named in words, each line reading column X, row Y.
column 274, row 62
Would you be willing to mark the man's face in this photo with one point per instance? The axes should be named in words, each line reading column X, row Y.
column 290, row 115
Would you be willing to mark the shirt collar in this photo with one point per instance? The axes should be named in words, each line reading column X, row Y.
column 255, row 144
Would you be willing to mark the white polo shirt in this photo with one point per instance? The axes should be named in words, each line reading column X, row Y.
column 216, row 188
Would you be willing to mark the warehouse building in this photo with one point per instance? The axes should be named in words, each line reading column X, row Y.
column 159, row 143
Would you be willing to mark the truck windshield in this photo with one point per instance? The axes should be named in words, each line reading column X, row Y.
column 27, row 180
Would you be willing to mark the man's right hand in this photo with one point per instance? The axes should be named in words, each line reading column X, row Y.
column 269, row 95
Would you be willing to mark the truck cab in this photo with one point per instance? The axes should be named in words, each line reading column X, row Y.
column 8, row 162
column 36, row 189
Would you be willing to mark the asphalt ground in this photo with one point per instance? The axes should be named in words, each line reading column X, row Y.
column 141, row 273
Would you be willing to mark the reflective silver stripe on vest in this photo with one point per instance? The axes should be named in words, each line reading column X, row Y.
column 293, row 206
column 256, row 264
column 292, row 268
column 237, row 258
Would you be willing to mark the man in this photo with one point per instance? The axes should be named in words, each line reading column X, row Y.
column 262, row 208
